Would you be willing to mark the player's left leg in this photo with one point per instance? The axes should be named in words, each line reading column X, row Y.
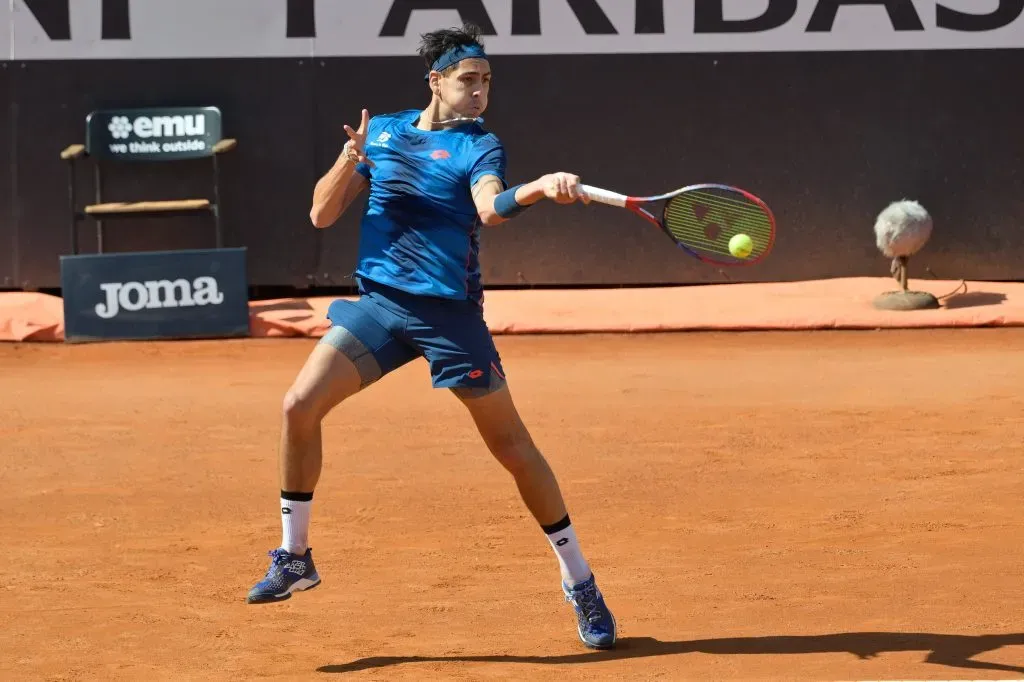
column 508, row 439
column 458, row 346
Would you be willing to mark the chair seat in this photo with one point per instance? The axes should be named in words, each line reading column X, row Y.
column 148, row 206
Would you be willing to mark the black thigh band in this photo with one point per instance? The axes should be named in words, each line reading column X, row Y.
column 348, row 345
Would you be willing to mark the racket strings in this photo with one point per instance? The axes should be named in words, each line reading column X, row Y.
column 707, row 221
column 696, row 233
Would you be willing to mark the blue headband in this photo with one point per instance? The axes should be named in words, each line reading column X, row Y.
column 456, row 55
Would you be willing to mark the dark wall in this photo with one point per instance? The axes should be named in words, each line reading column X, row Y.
column 8, row 253
column 827, row 139
column 267, row 105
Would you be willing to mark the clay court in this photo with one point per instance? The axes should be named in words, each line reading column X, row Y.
column 841, row 505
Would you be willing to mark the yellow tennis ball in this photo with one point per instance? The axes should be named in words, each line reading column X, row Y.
column 741, row 246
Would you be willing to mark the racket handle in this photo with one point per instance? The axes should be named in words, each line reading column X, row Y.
column 604, row 196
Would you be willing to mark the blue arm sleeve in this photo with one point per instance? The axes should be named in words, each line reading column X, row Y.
column 491, row 161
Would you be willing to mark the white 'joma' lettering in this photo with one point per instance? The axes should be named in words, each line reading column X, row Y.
column 134, row 296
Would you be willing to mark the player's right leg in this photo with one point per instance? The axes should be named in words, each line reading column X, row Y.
column 355, row 352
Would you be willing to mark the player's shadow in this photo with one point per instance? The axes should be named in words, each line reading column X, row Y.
column 954, row 651
column 288, row 304
column 300, row 310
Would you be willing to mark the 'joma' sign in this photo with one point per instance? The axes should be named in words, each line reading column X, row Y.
column 157, row 294
column 286, row 28
column 195, row 293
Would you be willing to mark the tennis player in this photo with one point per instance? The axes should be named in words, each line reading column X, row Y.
column 435, row 176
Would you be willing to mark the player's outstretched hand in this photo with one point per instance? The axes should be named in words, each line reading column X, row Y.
column 564, row 188
column 355, row 148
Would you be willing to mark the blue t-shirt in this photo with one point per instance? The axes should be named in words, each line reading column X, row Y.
column 420, row 230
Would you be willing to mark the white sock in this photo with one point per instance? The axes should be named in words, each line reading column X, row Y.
column 295, row 522
column 567, row 548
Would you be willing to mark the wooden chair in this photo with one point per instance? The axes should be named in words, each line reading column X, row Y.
column 141, row 136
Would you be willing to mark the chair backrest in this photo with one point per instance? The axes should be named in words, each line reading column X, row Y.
column 153, row 134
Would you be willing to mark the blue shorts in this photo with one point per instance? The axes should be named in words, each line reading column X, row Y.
column 387, row 328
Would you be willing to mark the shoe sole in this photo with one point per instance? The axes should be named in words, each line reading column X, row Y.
column 287, row 594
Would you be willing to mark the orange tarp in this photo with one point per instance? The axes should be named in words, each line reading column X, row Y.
column 842, row 303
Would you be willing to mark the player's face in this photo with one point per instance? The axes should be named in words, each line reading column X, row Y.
column 465, row 89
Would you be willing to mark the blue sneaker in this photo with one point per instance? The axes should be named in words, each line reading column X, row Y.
column 594, row 622
column 287, row 573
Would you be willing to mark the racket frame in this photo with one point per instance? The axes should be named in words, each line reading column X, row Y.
column 636, row 205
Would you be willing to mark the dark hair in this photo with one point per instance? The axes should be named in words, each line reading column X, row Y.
column 436, row 43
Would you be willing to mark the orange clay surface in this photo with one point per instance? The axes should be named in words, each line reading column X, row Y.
column 787, row 505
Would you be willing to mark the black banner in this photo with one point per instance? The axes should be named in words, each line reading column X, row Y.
column 155, row 295
column 153, row 134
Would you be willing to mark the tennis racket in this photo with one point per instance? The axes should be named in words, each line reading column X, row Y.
column 703, row 219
